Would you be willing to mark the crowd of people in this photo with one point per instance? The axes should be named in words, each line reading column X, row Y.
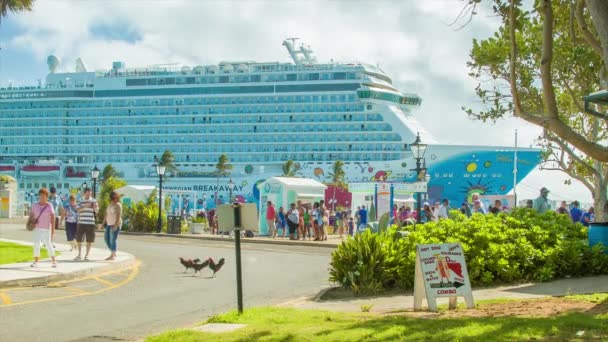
column 313, row 221
column 80, row 219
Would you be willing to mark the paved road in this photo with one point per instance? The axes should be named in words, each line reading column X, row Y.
column 161, row 297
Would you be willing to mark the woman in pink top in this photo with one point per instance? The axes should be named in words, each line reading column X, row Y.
column 45, row 226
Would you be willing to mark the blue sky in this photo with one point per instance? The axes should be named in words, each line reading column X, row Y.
column 410, row 40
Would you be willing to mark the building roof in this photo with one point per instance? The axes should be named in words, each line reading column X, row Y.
column 295, row 181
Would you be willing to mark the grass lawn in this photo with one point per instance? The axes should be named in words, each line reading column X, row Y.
column 285, row 324
column 11, row 253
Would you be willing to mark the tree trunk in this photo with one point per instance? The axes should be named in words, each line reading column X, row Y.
column 599, row 15
column 600, row 202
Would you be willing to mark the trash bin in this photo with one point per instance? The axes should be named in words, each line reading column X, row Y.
column 174, row 224
column 598, row 232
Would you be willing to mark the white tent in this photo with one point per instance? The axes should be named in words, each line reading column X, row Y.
column 135, row 193
column 282, row 191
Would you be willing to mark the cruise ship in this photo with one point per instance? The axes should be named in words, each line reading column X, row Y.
column 258, row 114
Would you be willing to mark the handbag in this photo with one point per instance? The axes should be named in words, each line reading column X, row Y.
column 31, row 221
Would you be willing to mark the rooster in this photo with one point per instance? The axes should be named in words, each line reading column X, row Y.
column 188, row 263
column 199, row 267
column 215, row 267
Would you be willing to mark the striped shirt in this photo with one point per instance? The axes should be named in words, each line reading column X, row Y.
column 87, row 211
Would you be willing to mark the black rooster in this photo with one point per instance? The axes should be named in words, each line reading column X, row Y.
column 188, row 263
column 199, row 267
column 215, row 267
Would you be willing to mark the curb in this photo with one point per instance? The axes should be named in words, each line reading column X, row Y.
column 89, row 271
column 229, row 239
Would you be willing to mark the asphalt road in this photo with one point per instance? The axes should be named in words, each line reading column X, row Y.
column 161, row 297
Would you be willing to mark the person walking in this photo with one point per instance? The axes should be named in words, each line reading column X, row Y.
column 87, row 209
column 588, row 217
column 271, row 216
column 563, row 209
column 307, row 223
column 362, row 218
column 478, row 208
column 324, row 220
column 293, row 220
column 281, row 221
column 444, row 209
column 301, row 225
column 70, row 217
column 45, row 226
column 576, row 213
column 427, row 213
column 541, row 203
column 112, row 223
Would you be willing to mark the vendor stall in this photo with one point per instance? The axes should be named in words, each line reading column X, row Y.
column 282, row 191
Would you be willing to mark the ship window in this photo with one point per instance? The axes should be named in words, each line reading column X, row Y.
column 170, row 80
column 291, row 77
column 339, row 75
column 189, row 80
column 224, row 79
column 256, row 78
column 313, row 76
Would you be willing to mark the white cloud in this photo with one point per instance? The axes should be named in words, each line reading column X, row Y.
column 410, row 40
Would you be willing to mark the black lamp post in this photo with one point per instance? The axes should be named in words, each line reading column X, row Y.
column 230, row 189
column 160, row 170
column 94, row 176
column 418, row 150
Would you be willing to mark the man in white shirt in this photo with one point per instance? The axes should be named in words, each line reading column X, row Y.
column 444, row 210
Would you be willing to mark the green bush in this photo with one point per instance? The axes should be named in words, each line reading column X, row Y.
column 504, row 248
column 142, row 217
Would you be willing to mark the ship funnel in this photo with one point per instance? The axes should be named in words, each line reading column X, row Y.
column 80, row 67
column 289, row 44
column 52, row 62
column 308, row 54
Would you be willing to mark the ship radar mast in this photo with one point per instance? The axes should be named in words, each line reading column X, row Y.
column 303, row 55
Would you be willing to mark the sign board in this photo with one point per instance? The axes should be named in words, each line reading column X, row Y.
column 249, row 217
column 441, row 271
column 410, row 188
column 384, row 198
column 362, row 187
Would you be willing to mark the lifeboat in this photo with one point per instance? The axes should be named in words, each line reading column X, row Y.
column 40, row 170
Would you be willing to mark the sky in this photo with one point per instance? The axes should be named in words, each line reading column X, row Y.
column 410, row 40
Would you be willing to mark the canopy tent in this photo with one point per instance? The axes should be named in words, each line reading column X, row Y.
column 282, row 191
column 135, row 193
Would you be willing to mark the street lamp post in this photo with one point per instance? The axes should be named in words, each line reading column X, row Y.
column 94, row 176
column 418, row 150
column 160, row 170
column 230, row 189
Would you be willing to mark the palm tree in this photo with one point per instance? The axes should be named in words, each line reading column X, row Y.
column 108, row 172
column 168, row 160
column 289, row 169
column 222, row 169
column 338, row 174
column 14, row 6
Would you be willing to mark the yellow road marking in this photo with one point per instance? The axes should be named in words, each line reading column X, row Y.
column 75, row 289
column 103, row 281
column 5, row 298
column 129, row 278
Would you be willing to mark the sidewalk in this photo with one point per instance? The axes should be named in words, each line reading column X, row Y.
column 391, row 303
column 332, row 240
column 21, row 274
